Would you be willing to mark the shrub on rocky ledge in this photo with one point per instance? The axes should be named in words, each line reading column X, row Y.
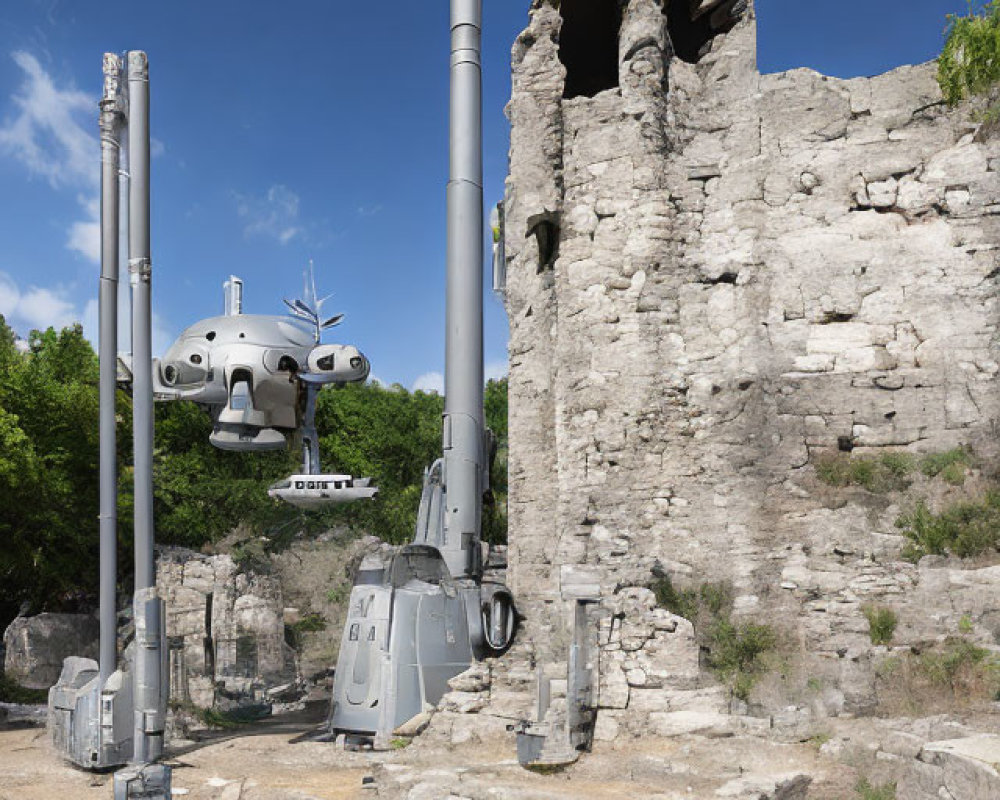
column 966, row 529
column 950, row 465
column 952, row 675
column 891, row 470
column 732, row 650
column 886, row 472
column 869, row 791
column 881, row 623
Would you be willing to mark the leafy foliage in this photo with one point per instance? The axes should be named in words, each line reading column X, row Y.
column 965, row 529
column 48, row 470
column 869, row 791
column 970, row 61
column 733, row 650
column 882, row 623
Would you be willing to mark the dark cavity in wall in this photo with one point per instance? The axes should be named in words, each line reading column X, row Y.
column 588, row 46
column 545, row 229
column 693, row 25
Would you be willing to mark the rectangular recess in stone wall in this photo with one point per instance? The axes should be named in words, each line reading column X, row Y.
column 588, row 46
column 693, row 24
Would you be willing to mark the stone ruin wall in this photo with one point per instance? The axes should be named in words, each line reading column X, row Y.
column 713, row 276
column 225, row 632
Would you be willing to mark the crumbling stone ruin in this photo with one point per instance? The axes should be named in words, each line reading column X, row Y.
column 225, row 631
column 715, row 278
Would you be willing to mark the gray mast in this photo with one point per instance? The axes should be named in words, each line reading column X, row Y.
column 149, row 684
column 111, row 119
column 463, row 412
column 140, row 273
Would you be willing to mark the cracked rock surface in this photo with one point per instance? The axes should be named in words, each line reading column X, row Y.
column 739, row 274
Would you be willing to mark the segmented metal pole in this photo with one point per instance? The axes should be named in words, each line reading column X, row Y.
column 148, row 679
column 140, row 273
column 463, row 411
column 111, row 118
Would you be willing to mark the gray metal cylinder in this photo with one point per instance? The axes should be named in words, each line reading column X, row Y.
column 111, row 119
column 149, row 694
column 463, row 413
column 140, row 274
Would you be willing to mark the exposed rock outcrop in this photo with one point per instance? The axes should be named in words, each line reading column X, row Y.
column 36, row 646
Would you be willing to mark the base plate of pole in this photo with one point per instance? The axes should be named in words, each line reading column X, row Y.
column 145, row 781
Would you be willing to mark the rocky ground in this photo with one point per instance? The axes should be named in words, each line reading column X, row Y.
column 275, row 761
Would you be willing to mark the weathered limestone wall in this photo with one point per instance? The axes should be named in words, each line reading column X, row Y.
column 750, row 270
column 225, row 630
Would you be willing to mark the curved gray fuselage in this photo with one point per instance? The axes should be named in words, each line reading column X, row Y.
column 247, row 368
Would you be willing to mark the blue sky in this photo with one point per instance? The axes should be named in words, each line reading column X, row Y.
column 296, row 131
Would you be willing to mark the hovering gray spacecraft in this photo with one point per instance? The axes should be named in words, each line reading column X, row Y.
column 258, row 376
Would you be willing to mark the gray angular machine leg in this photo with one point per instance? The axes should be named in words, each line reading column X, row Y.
column 425, row 615
column 310, row 439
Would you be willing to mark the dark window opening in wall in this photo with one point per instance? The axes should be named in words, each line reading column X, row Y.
column 246, row 656
column 588, row 46
column 692, row 26
column 208, row 644
column 546, row 233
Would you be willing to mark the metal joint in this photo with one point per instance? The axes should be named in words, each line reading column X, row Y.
column 138, row 66
column 139, row 269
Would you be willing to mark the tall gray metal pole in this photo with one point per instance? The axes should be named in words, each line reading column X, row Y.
column 463, row 412
column 140, row 273
column 111, row 119
column 149, row 669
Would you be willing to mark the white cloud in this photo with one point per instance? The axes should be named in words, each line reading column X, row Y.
column 275, row 216
column 85, row 239
column 35, row 307
column 429, row 382
column 40, row 308
column 50, row 135
column 495, row 370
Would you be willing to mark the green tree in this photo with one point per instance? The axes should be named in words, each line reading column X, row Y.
column 48, row 469
column 970, row 61
column 388, row 434
column 495, row 510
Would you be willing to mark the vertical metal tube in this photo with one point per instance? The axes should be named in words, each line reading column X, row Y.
column 463, row 414
column 149, row 692
column 110, row 127
column 140, row 273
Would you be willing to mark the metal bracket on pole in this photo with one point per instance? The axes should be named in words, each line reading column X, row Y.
column 140, row 269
